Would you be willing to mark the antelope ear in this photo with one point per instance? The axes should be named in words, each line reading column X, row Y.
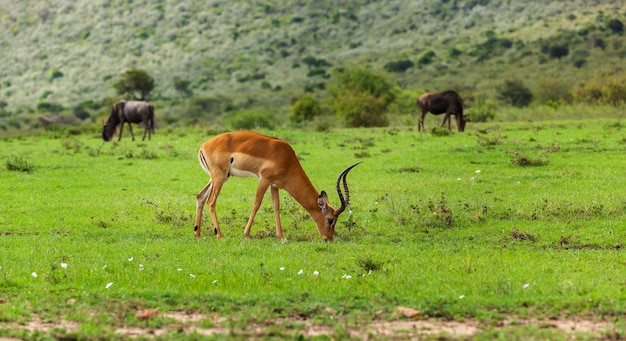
column 321, row 202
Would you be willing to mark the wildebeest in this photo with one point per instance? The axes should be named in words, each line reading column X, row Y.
column 447, row 102
column 129, row 112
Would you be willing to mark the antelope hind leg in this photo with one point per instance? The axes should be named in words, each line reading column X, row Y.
column 201, row 199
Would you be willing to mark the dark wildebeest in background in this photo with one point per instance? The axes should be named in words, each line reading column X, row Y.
column 447, row 102
column 129, row 112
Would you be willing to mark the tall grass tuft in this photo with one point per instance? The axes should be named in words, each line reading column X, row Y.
column 19, row 164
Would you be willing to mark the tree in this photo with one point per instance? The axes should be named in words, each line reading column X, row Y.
column 135, row 81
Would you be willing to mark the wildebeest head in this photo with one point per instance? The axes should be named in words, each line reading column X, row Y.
column 462, row 121
column 110, row 127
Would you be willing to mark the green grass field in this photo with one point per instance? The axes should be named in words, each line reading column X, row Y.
column 505, row 221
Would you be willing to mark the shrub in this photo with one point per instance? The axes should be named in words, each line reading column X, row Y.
column 49, row 107
column 317, row 71
column 558, row 51
column 305, row 108
column 616, row 26
column 81, row 113
column 427, row 58
column 481, row 112
column 553, row 90
column 252, row 119
column 55, row 73
column 602, row 89
column 515, row 93
column 361, row 97
column 361, row 109
column 399, row 66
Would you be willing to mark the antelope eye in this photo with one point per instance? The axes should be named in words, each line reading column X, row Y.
column 329, row 221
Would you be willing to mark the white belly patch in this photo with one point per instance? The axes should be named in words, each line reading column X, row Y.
column 242, row 173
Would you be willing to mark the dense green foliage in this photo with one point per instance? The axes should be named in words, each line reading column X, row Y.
column 262, row 54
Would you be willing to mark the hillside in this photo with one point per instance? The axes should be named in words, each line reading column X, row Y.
column 67, row 52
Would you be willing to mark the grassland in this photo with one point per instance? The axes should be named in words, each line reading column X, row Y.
column 505, row 222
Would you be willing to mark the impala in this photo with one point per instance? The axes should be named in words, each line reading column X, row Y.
column 275, row 164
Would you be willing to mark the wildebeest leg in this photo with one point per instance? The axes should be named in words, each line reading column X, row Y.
column 420, row 122
column 458, row 122
column 148, row 130
column 446, row 118
column 121, row 129
column 130, row 127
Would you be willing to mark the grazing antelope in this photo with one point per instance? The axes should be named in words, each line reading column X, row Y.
column 275, row 164
column 129, row 112
column 447, row 102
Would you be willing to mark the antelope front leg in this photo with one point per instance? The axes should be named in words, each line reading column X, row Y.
column 260, row 192
column 276, row 205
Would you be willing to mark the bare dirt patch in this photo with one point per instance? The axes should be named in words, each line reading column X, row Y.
column 405, row 329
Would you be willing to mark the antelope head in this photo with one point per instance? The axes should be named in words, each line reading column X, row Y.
column 331, row 214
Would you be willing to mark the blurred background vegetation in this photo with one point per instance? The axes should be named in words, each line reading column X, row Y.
column 240, row 64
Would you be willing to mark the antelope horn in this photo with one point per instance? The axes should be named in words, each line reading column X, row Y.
column 342, row 177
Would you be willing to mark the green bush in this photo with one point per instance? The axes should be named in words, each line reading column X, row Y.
column 305, row 109
column 398, row 66
column 515, row 93
column 427, row 58
column 602, row 89
column 361, row 97
column 49, row 107
column 553, row 90
column 361, row 109
column 481, row 112
column 252, row 119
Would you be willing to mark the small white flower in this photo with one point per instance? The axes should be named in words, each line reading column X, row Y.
column 34, row 274
column 282, row 268
column 346, row 276
column 109, row 285
column 370, row 272
column 315, row 273
column 64, row 265
column 461, row 297
column 459, row 179
column 179, row 269
column 300, row 272
column 526, row 285
column 192, row 275
column 214, row 281
column 104, row 267
column 140, row 267
column 131, row 259
column 478, row 171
